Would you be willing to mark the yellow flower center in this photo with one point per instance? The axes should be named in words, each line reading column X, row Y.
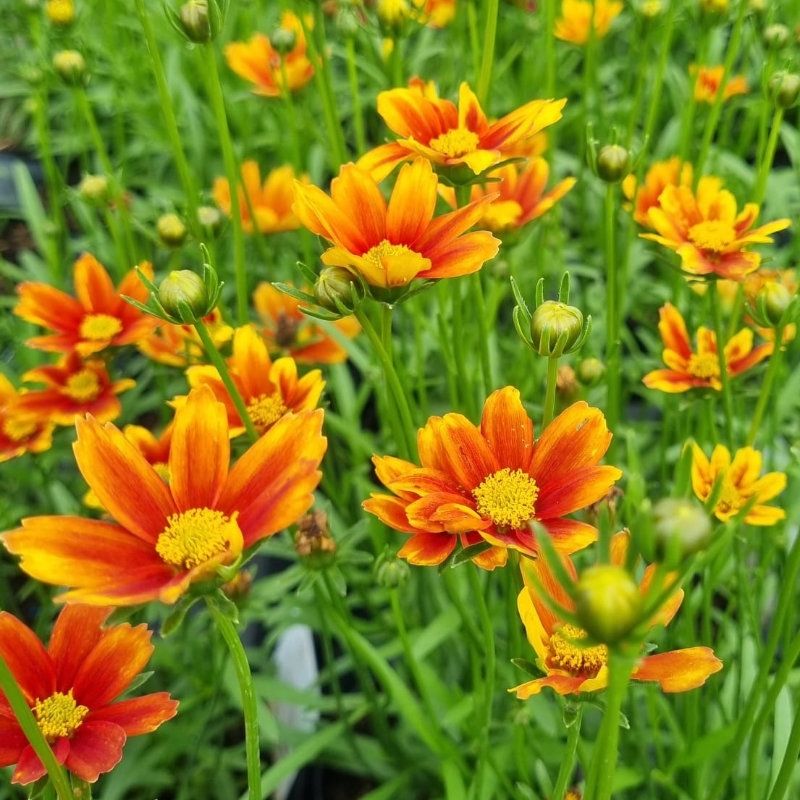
column 455, row 142
column 704, row 365
column 196, row 536
column 98, row 327
column 567, row 653
column 507, row 497
column 266, row 409
column 375, row 255
column 59, row 715
column 83, row 386
column 713, row 235
column 17, row 428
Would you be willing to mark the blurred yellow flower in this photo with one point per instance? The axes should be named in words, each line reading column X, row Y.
column 578, row 17
column 708, row 80
column 60, row 12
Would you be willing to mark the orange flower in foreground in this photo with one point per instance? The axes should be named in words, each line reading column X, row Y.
column 97, row 318
column 391, row 245
column 167, row 535
column 572, row 665
column 489, row 483
column 660, row 175
column 20, row 432
column 688, row 369
column 451, row 136
column 577, row 19
column 71, row 687
column 179, row 345
column 290, row 332
column 73, row 387
column 706, row 231
column 708, row 80
column 269, row 389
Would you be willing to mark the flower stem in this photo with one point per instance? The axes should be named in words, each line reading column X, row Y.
column 487, row 59
column 568, row 758
column 766, row 386
column 612, row 313
column 769, row 155
column 727, row 397
column 355, row 93
column 26, row 720
column 550, row 391
column 549, row 47
column 658, row 81
column 789, row 764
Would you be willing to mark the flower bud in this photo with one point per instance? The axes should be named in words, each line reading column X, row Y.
column 390, row 571
column 171, row 230
column 608, row 602
column 591, row 371
column 238, row 587
column 758, row 6
column 60, row 12
column 313, row 541
column 393, row 12
column 183, row 286
column 566, row 382
column 70, row 66
column 651, row 8
column 714, row 7
column 613, row 163
column 283, row 40
column 209, row 218
column 681, row 528
column 772, row 300
column 555, row 327
column 195, row 21
column 93, row 188
column 334, row 285
column 776, row 36
column 784, row 87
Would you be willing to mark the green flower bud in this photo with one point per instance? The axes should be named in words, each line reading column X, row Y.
column 334, row 285
column 93, row 188
column 195, row 21
column 555, row 327
column 681, row 528
column 784, row 88
column 776, row 36
column 209, row 218
column 390, row 571
column 613, row 163
column 283, row 40
column 608, row 603
column 773, row 299
column 590, row 371
column 171, row 230
column 183, row 286
column 70, row 66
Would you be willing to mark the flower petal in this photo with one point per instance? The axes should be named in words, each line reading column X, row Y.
column 428, row 549
column 27, row 659
column 75, row 634
column 679, row 670
column 139, row 715
column 508, row 429
column 95, row 748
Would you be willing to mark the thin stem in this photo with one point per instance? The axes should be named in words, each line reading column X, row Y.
column 295, row 134
column 612, row 312
column 766, row 386
column 568, row 757
column 550, row 391
column 487, row 59
column 789, row 763
column 727, row 397
column 658, row 82
column 769, row 155
column 355, row 93
column 549, row 47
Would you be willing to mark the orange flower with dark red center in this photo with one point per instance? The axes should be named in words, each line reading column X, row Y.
column 96, row 318
column 572, row 664
column 708, row 80
column 20, row 431
column 169, row 534
column 73, row 387
column 391, row 245
column 290, row 332
column 71, row 687
column 179, row 345
column 671, row 172
column 489, row 483
column 690, row 369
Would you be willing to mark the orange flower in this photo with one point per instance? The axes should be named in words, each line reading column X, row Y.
column 272, row 201
column 522, row 195
column 290, row 332
column 489, row 483
column 71, row 687
column 571, row 665
column 437, row 13
column 96, row 319
column 257, row 60
column 169, row 535
column 577, row 20
column 20, row 432
column 452, row 137
column 73, row 387
column 390, row 246
column 708, row 81
column 662, row 174
column 269, row 389
column 692, row 370
column 179, row 345
column 706, row 231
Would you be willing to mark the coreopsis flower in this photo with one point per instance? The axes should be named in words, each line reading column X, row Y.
column 73, row 387
column 578, row 17
column 450, row 136
column 522, row 196
column 706, row 231
column 391, row 245
column 98, row 317
column 260, row 63
column 662, row 174
column 71, row 687
column 179, row 345
column 690, row 369
column 437, row 13
column 20, row 431
column 271, row 200
column 708, row 80
column 269, row 389
column 490, row 483
column 166, row 535
column 572, row 663
column 742, row 484
column 288, row 331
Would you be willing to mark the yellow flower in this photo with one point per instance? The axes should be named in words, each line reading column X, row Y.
column 708, row 80
column 60, row 12
column 575, row 23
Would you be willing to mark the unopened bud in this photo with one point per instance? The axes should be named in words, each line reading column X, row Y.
column 773, row 299
column 238, row 588
column 195, row 21
column 70, row 66
column 714, row 7
column 209, row 218
column 681, row 528
column 283, row 40
column 182, row 286
column 566, row 382
column 608, row 602
column 390, row 571
column 93, row 188
column 590, row 371
column 651, row 8
column 777, row 36
column 171, row 230
column 393, row 12
column 784, row 87
column 555, row 327
column 613, row 163
column 313, row 541
column 334, row 287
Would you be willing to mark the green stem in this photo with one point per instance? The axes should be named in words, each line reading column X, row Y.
column 294, row 132
column 549, row 410
column 727, row 397
column 769, row 155
column 355, row 93
column 568, row 757
column 789, row 764
column 613, row 318
column 549, row 47
column 487, row 59
column 658, row 82
column 766, row 386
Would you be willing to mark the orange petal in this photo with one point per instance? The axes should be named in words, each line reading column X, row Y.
column 508, row 429
column 462, row 256
column 390, row 511
column 569, row 535
column 75, row 634
column 94, row 749
column 679, row 670
column 27, row 659
column 12, row 741
column 566, row 494
column 94, row 287
column 561, row 684
column 673, row 330
column 412, row 203
column 428, row 549
column 139, row 715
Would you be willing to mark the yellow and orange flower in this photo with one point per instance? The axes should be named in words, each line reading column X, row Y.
column 288, row 331
column 167, row 535
column 572, row 664
column 578, row 17
column 437, row 13
column 522, row 196
column 450, row 136
column 73, row 387
column 742, row 484
column 687, row 369
column 20, row 431
column 271, row 201
column 662, row 174
column 489, row 483
column 706, row 230
column 71, row 686
column 179, row 345
column 391, row 245
column 259, row 62
column 97, row 318
column 708, row 80
column 269, row 389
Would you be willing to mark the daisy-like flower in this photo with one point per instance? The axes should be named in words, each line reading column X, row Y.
column 489, row 483
column 450, row 136
column 269, row 389
column 571, row 663
column 522, row 195
column 708, row 81
column 577, row 20
column 96, row 318
column 71, row 686
column 391, row 245
column 260, row 63
column 742, row 483
column 167, row 535
column 179, row 345
column 706, row 230
column 73, row 387
column 687, row 369
column 271, row 200
column 288, row 331
column 660, row 175
column 20, row 431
